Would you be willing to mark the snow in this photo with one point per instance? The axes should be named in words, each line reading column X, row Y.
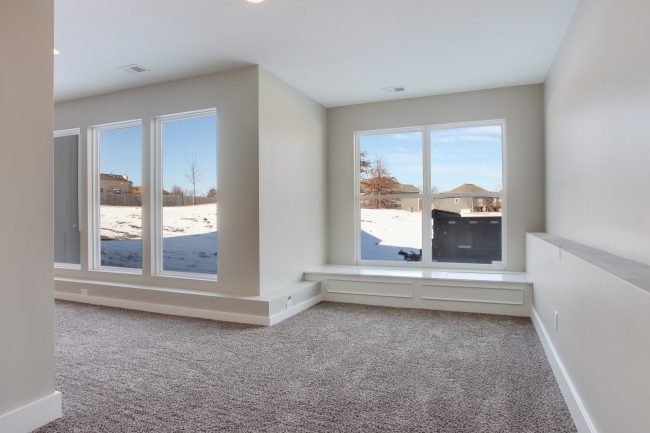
column 189, row 237
column 384, row 232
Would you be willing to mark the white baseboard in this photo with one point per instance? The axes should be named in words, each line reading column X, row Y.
column 164, row 309
column 579, row 413
column 33, row 415
column 283, row 315
column 189, row 312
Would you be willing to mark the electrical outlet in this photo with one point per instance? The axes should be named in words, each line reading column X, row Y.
column 84, row 292
column 556, row 320
column 289, row 301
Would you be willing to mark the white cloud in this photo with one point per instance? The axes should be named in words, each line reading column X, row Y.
column 401, row 136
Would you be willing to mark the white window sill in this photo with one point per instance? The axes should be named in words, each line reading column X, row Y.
column 329, row 271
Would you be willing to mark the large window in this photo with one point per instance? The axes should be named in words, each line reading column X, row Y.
column 431, row 195
column 390, row 187
column 187, row 193
column 118, row 196
column 66, row 199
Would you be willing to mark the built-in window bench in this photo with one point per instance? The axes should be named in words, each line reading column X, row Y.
column 479, row 292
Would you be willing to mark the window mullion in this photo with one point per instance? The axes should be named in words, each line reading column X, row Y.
column 426, row 199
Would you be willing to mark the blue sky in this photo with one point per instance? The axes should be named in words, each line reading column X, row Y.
column 121, row 152
column 458, row 155
column 180, row 139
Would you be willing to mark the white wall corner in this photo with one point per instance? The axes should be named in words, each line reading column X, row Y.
column 32, row 415
column 579, row 413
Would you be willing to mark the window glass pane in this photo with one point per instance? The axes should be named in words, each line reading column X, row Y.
column 390, row 163
column 66, row 200
column 120, row 190
column 467, row 161
column 391, row 229
column 189, row 196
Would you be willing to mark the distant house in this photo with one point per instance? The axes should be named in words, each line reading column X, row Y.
column 115, row 184
column 469, row 204
column 410, row 204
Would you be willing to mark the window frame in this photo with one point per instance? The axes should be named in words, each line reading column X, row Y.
column 94, row 214
column 156, row 163
column 69, row 133
column 427, row 198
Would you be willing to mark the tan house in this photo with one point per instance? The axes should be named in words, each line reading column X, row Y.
column 412, row 204
column 115, row 184
column 468, row 204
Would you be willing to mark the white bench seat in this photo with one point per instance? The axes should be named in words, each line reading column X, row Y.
column 470, row 291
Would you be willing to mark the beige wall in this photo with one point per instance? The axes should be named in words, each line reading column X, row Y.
column 26, row 251
column 597, row 112
column 235, row 96
column 271, row 177
column 293, row 187
column 521, row 107
column 603, row 333
column 597, row 176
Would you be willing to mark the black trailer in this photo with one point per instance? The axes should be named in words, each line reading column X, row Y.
column 469, row 239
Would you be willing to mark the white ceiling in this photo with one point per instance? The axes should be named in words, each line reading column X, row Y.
column 338, row 52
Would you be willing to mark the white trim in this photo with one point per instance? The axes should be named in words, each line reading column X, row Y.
column 489, row 293
column 156, row 182
column 156, row 178
column 33, row 415
column 581, row 417
column 94, row 172
column 225, row 316
column 188, row 276
column 427, row 200
column 419, row 273
column 70, row 266
column 164, row 309
column 383, row 295
column 69, row 133
column 427, row 197
column 289, row 312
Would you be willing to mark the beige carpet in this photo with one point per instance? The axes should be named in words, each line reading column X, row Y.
column 333, row 368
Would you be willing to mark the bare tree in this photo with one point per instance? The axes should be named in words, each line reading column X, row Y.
column 194, row 171
column 364, row 164
column 177, row 190
column 377, row 183
column 178, row 195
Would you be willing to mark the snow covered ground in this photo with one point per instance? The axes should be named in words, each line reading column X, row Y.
column 189, row 237
column 384, row 232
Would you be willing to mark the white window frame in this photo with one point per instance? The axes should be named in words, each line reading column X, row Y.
column 427, row 198
column 69, row 133
column 94, row 215
column 156, row 162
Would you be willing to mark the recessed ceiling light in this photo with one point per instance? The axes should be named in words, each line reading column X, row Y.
column 254, row 1
column 56, row 52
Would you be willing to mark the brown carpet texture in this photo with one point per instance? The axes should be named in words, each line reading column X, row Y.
column 333, row 368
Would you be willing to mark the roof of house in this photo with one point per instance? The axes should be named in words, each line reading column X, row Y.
column 408, row 188
column 111, row 176
column 468, row 187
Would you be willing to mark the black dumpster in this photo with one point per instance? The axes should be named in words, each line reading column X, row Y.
column 470, row 239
